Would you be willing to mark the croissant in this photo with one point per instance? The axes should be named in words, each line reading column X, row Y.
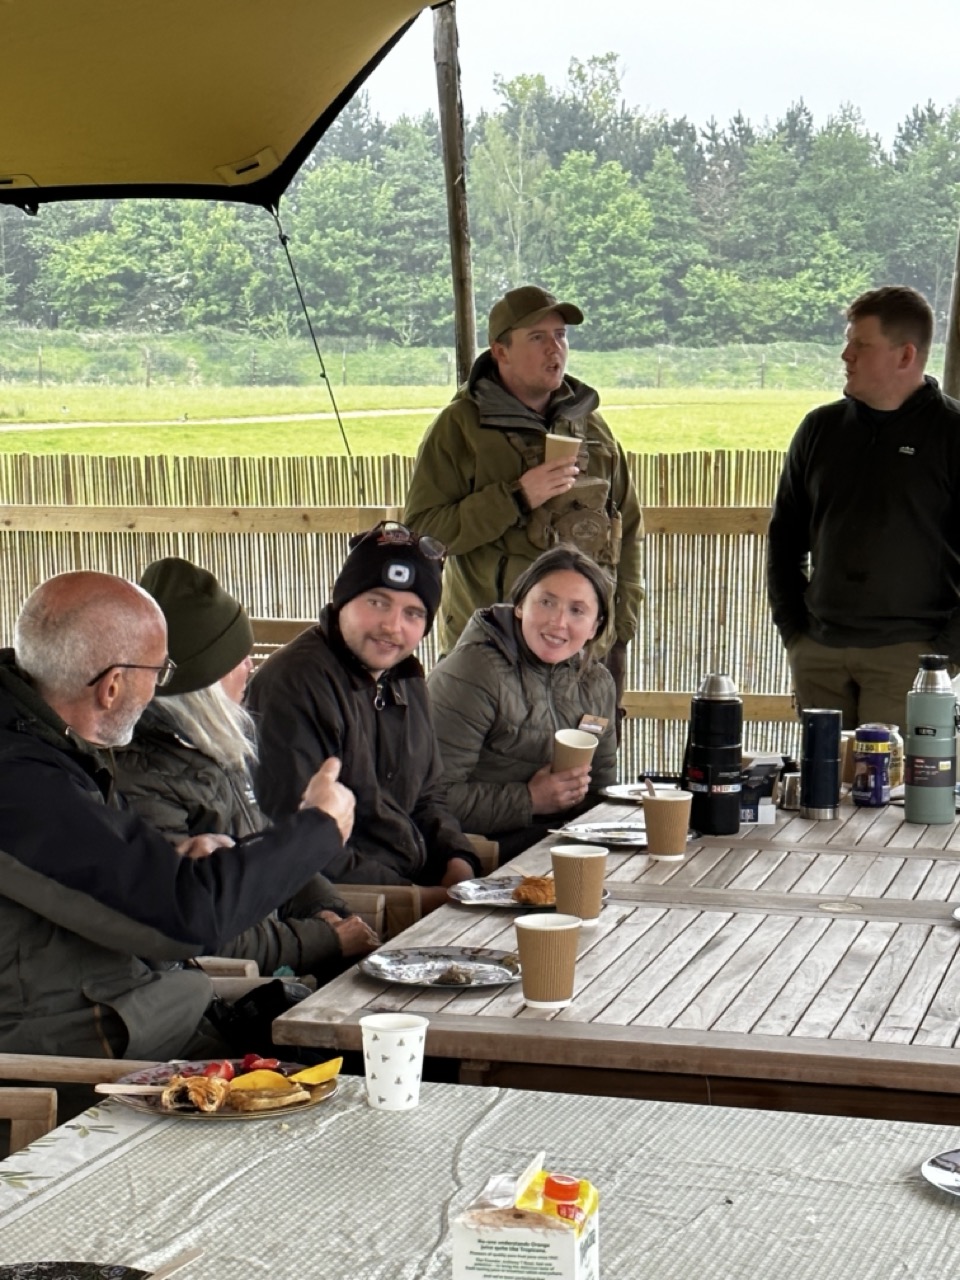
column 536, row 891
column 195, row 1093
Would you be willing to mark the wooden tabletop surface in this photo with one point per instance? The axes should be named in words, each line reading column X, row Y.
column 808, row 951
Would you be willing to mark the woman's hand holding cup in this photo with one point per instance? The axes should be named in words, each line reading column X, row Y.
column 553, row 792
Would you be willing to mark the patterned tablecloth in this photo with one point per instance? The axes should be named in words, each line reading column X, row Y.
column 345, row 1191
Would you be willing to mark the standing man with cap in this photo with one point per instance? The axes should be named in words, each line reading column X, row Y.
column 482, row 486
column 350, row 687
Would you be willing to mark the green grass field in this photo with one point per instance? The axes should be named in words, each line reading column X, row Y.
column 233, row 421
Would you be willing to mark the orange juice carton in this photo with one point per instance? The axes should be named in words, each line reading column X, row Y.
column 538, row 1224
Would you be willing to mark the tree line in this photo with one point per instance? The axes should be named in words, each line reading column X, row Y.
column 663, row 231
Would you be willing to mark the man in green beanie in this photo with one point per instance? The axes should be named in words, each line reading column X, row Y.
column 187, row 770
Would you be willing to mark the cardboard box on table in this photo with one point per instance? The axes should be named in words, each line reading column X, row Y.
column 508, row 1234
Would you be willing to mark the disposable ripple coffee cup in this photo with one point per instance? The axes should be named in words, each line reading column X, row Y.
column 667, row 819
column 572, row 747
column 393, row 1059
column 578, row 872
column 561, row 447
column 547, row 946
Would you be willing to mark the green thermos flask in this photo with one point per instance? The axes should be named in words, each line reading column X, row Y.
column 930, row 744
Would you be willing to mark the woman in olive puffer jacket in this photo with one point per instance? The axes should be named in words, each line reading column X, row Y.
column 520, row 672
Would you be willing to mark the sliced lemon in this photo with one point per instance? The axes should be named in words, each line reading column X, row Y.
column 318, row 1074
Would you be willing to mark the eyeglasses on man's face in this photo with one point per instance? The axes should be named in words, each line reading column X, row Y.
column 164, row 672
column 392, row 533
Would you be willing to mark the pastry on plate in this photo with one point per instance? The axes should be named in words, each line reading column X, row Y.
column 268, row 1099
column 536, row 891
column 195, row 1093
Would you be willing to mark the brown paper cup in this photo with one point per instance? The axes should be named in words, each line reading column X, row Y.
column 578, row 871
column 547, row 946
column 572, row 747
column 846, row 756
column 561, row 447
column 667, row 818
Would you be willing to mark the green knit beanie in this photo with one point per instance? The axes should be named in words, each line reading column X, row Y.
column 208, row 631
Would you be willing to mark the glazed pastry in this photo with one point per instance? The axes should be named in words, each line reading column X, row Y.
column 536, row 891
column 195, row 1093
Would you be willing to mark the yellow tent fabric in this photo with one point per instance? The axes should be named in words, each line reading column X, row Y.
column 213, row 99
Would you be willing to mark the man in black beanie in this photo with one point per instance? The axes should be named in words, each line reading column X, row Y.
column 350, row 687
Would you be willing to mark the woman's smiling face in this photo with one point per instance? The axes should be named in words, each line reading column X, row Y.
column 558, row 615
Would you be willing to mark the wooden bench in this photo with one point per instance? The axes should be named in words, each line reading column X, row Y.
column 31, row 1113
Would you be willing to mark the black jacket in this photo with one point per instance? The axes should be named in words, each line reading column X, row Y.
column 180, row 791
column 90, row 895
column 874, row 498
column 313, row 700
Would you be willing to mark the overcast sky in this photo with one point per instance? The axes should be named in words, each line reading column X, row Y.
column 699, row 57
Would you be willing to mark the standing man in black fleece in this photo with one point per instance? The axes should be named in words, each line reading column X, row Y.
column 864, row 541
column 351, row 687
column 90, row 896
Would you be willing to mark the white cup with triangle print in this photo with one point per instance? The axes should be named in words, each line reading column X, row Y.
column 393, row 1059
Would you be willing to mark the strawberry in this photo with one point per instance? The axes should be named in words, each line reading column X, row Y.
column 222, row 1069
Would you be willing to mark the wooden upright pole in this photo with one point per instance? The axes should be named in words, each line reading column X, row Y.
column 454, row 167
column 951, row 359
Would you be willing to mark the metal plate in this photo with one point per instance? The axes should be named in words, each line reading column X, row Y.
column 943, row 1171
column 70, row 1271
column 634, row 792
column 150, row 1103
column 452, row 968
column 497, row 892
column 631, row 835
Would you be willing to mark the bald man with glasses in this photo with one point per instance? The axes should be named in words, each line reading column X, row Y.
column 91, row 898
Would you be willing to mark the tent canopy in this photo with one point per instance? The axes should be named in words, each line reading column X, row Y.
column 210, row 99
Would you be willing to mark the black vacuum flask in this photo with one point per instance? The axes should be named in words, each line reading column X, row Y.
column 713, row 760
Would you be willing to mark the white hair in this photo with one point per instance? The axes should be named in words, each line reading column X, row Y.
column 211, row 721
column 75, row 625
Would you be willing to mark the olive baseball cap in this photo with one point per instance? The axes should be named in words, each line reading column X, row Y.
column 523, row 307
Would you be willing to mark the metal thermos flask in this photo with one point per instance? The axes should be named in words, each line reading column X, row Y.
column 930, row 751
column 820, row 764
column 713, row 760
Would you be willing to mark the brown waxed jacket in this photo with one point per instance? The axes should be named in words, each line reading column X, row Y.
column 464, row 492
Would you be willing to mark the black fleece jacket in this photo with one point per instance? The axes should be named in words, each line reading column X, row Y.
column 874, row 499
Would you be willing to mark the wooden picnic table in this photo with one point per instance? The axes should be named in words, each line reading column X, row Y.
column 806, row 965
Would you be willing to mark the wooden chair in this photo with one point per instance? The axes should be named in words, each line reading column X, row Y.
column 368, row 902
column 50, row 1068
column 488, row 851
column 31, row 1112
column 397, row 909
column 228, row 967
column 271, row 634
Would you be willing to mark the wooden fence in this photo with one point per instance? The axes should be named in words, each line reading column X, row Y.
column 265, row 527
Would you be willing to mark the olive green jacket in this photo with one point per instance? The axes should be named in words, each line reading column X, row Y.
column 496, row 708
column 465, row 492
